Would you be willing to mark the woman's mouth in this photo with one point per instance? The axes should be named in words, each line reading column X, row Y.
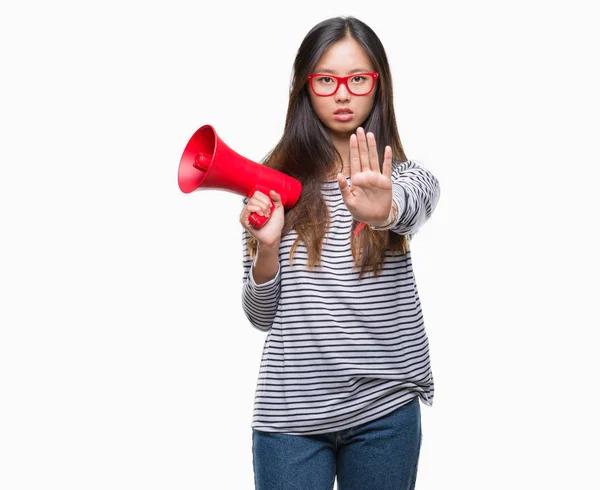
column 343, row 115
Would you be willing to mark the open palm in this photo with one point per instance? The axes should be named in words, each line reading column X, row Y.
column 369, row 198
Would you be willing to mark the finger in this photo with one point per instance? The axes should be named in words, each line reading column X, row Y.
column 373, row 157
column 259, row 209
column 344, row 187
column 259, row 195
column 387, row 162
column 363, row 149
column 276, row 199
column 259, row 199
column 354, row 158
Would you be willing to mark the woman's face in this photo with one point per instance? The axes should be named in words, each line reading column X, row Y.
column 342, row 59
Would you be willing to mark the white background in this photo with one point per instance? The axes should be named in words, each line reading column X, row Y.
column 126, row 361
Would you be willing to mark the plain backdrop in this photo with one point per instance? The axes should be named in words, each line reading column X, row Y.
column 126, row 361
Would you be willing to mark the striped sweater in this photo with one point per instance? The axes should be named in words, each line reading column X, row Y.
column 341, row 351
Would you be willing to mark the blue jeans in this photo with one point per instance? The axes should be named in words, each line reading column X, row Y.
column 379, row 455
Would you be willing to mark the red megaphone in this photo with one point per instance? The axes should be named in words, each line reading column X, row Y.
column 208, row 163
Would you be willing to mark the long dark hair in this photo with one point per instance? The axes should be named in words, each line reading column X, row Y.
column 306, row 152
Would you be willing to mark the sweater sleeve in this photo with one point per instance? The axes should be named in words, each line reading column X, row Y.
column 259, row 301
column 416, row 192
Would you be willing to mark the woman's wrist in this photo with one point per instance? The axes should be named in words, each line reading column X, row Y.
column 269, row 247
column 391, row 217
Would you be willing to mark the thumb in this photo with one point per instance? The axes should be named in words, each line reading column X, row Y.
column 344, row 187
column 275, row 199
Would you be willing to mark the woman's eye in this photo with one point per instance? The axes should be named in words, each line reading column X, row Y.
column 325, row 79
column 357, row 79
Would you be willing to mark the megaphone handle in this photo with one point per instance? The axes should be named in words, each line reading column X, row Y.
column 257, row 220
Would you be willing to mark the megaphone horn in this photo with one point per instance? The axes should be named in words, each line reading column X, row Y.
column 208, row 163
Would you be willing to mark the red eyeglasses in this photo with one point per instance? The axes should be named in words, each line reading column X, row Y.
column 324, row 84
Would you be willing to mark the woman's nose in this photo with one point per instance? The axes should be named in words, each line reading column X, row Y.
column 342, row 92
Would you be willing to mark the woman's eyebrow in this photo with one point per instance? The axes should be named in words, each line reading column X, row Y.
column 334, row 72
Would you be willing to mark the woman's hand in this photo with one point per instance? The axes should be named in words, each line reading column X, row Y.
column 270, row 233
column 369, row 199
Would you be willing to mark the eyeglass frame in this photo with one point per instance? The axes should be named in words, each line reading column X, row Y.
column 342, row 80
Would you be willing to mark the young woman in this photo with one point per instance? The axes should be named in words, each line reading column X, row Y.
column 346, row 356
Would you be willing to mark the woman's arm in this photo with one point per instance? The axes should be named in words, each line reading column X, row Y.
column 261, row 284
column 416, row 192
